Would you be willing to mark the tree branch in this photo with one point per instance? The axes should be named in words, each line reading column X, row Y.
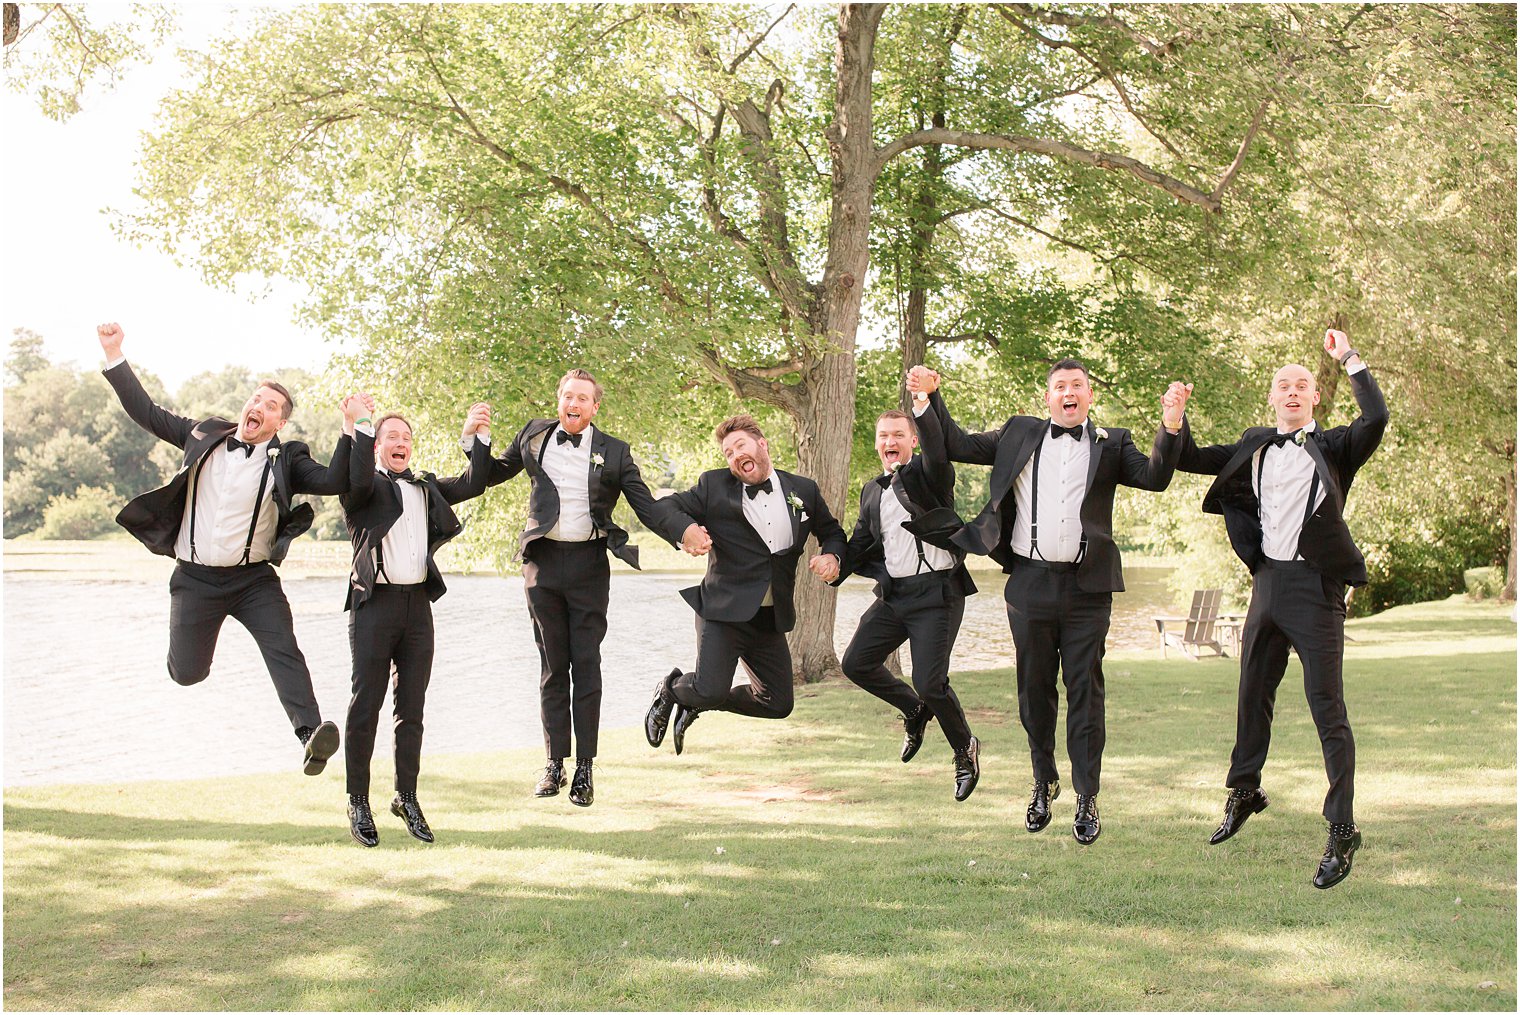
column 1240, row 156
column 748, row 385
column 1055, row 149
column 754, row 43
column 1050, row 17
column 966, row 336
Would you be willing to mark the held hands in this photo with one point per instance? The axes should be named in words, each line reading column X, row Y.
column 110, row 336
column 825, row 566
column 695, row 540
column 356, row 407
column 1174, row 404
column 477, row 421
column 922, row 381
column 1336, row 343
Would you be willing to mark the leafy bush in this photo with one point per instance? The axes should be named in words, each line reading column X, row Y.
column 87, row 513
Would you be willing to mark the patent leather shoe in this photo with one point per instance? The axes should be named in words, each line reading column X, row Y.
column 361, row 824
column 1086, row 827
column 914, row 724
column 968, row 768
column 408, row 810
column 553, row 779
column 1038, row 814
column 1240, row 805
column 321, row 745
column 581, row 792
column 658, row 716
column 683, row 720
column 1336, row 863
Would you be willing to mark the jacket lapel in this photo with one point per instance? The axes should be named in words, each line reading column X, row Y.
column 1021, row 455
column 1095, row 452
column 1317, row 455
column 593, row 473
column 281, row 480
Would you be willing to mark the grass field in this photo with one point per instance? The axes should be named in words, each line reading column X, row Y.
column 799, row 865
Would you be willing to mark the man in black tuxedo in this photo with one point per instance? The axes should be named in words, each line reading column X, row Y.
column 398, row 521
column 756, row 519
column 1049, row 523
column 228, row 517
column 902, row 539
column 1282, row 491
column 577, row 473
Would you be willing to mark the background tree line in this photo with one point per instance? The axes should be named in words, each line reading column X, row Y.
column 778, row 208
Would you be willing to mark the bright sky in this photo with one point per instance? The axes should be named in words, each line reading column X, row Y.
column 63, row 270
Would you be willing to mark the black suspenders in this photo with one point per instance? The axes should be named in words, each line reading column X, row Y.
column 258, row 503
column 1261, row 465
column 1034, row 507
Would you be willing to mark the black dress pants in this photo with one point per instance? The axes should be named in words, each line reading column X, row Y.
column 925, row 611
column 393, row 628
column 721, row 647
column 202, row 597
column 1292, row 604
column 567, row 585
column 1056, row 625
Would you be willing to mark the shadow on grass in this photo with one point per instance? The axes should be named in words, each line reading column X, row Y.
column 799, row 865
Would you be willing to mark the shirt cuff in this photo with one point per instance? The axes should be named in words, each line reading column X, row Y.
column 367, row 429
column 467, row 444
column 1361, row 365
column 919, row 408
column 118, row 361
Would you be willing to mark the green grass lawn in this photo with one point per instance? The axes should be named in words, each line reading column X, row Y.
column 799, row 865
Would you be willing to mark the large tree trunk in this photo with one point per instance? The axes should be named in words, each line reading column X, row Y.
column 826, row 415
column 1514, row 531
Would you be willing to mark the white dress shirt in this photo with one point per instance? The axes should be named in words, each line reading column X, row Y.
column 900, row 547
column 771, row 518
column 222, row 492
column 403, row 551
column 1063, row 485
column 569, row 469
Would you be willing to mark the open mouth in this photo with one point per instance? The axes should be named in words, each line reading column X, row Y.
column 890, row 455
column 747, row 466
column 1069, row 404
column 398, row 459
column 573, row 415
column 252, row 423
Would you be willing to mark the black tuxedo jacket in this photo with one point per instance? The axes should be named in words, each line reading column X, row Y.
column 740, row 567
column 155, row 517
column 372, row 506
column 925, row 486
column 616, row 475
column 1114, row 461
column 1337, row 454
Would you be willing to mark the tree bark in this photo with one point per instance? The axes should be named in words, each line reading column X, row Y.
column 1514, row 532
column 826, row 414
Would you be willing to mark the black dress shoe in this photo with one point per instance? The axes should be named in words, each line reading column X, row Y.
column 1038, row 814
column 658, row 716
column 1336, row 863
column 553, row 779
column 684, row 718
column 1086, row 827
column 914, row 724
column 580, row 786
column 1241, row 804
column 361, row 823
column 408, row 810
column 321, row 745
column 968, row 768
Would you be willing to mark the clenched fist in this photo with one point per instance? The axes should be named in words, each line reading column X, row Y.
column 825, row 566
column 110, row 336
column 477, row 421
column 1174, row 404
column 695, row 540
column 1336, row 343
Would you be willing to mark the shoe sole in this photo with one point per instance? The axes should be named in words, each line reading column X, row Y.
column 398, row 812
column 1237, row 828
column 322, row 745
column 655, row 742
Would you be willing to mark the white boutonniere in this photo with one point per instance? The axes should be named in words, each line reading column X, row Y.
column 597, row 460
column 1100, row 434
column 896, row 466
column 1299, row 438
column 274, row 454
column 795, row 501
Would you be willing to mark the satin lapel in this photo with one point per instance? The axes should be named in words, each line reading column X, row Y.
column 1094, row 453
column 533, row 446
column 784, row 487
column 594, row 471
column 900, row 490
column 872, row 509
column 281, row 478
column 1021, row 457
column 208, row 438
column 736, row 503
column 1317, row 455
column 1247, row 450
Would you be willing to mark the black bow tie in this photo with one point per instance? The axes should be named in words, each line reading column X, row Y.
column 755, row 488
column 1277, row 440
column 405, row 474
column 234, row 444
column 884, row 480
column 566, row 437
column 1074, row 432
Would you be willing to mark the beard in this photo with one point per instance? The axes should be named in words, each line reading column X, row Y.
column 761, row 472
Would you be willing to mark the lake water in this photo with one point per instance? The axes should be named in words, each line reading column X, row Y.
column 87, row 697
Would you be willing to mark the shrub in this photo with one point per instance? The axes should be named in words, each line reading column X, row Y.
column 88, row 512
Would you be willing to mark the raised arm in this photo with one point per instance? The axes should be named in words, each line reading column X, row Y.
column 976, row 449
column 858, row 551
column 472, row 481
column 1366, row 431
column 353, row 459
column 141, row 409
column 1155, row 472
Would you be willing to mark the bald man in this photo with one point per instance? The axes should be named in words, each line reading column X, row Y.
column 1282, row 491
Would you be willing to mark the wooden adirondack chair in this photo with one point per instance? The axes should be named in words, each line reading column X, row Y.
column 1198, row 632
